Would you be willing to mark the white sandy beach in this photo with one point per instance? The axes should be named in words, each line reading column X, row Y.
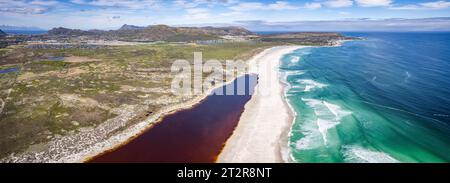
column 256, row 139
column 262, row 132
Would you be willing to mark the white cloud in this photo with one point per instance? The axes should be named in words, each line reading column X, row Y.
column 281, row 5
column 330, row 4
column 425, row 24
column 423, row 6
column 436, row 5
column 79, row 1
column 338, row 3
column 23, row 10
column 232, row 14
column 197, row 13
column 185, row 4
column 373, row 3
column 26, row 7
column 130, row 4
column 313, row 6
column 196, row 3
column 44, row 3
column 249, row 6
column 406, row 7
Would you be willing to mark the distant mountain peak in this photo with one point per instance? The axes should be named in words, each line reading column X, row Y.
column 130, row 27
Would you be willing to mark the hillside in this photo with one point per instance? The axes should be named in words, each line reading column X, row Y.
column 130, row 27
column 2, row 33
column 100, row 92
column 307, row 38
column 153, row 33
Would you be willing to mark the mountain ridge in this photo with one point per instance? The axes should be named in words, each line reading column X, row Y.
column 2, row 34
column 154, row 33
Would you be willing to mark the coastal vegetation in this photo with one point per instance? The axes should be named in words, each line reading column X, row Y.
column 46, row 99
column 61, row 86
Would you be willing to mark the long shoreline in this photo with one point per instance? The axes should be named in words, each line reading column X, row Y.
column 263, row 129
column 126, row 137
column 253, row 69
column 84, row 152
column 89, row 151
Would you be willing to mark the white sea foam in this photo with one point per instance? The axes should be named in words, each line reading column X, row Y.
column 306, row 142
column 324, row 126
column 325, row 109
column 295, row 59
column 303, row 53
column 333, row 109
column 328, row 115
column 311, row 84
column 374, row 78
column 336, row 110
column 285, row 74
column 358, row 154
column 311, row 102
column 296, row 72
column 408, row 75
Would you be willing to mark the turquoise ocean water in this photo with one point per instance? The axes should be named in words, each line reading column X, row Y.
column 384, row 99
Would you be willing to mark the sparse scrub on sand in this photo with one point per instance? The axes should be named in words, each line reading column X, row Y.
column 50, row 99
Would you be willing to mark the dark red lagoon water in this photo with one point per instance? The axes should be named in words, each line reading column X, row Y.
column 194, row 135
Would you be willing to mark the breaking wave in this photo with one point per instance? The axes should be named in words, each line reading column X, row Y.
column 377, row 100
column 358, row 154
column 327, row 115
column 309, row 84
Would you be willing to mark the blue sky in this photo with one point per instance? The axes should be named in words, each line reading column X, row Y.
column 111, row 14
